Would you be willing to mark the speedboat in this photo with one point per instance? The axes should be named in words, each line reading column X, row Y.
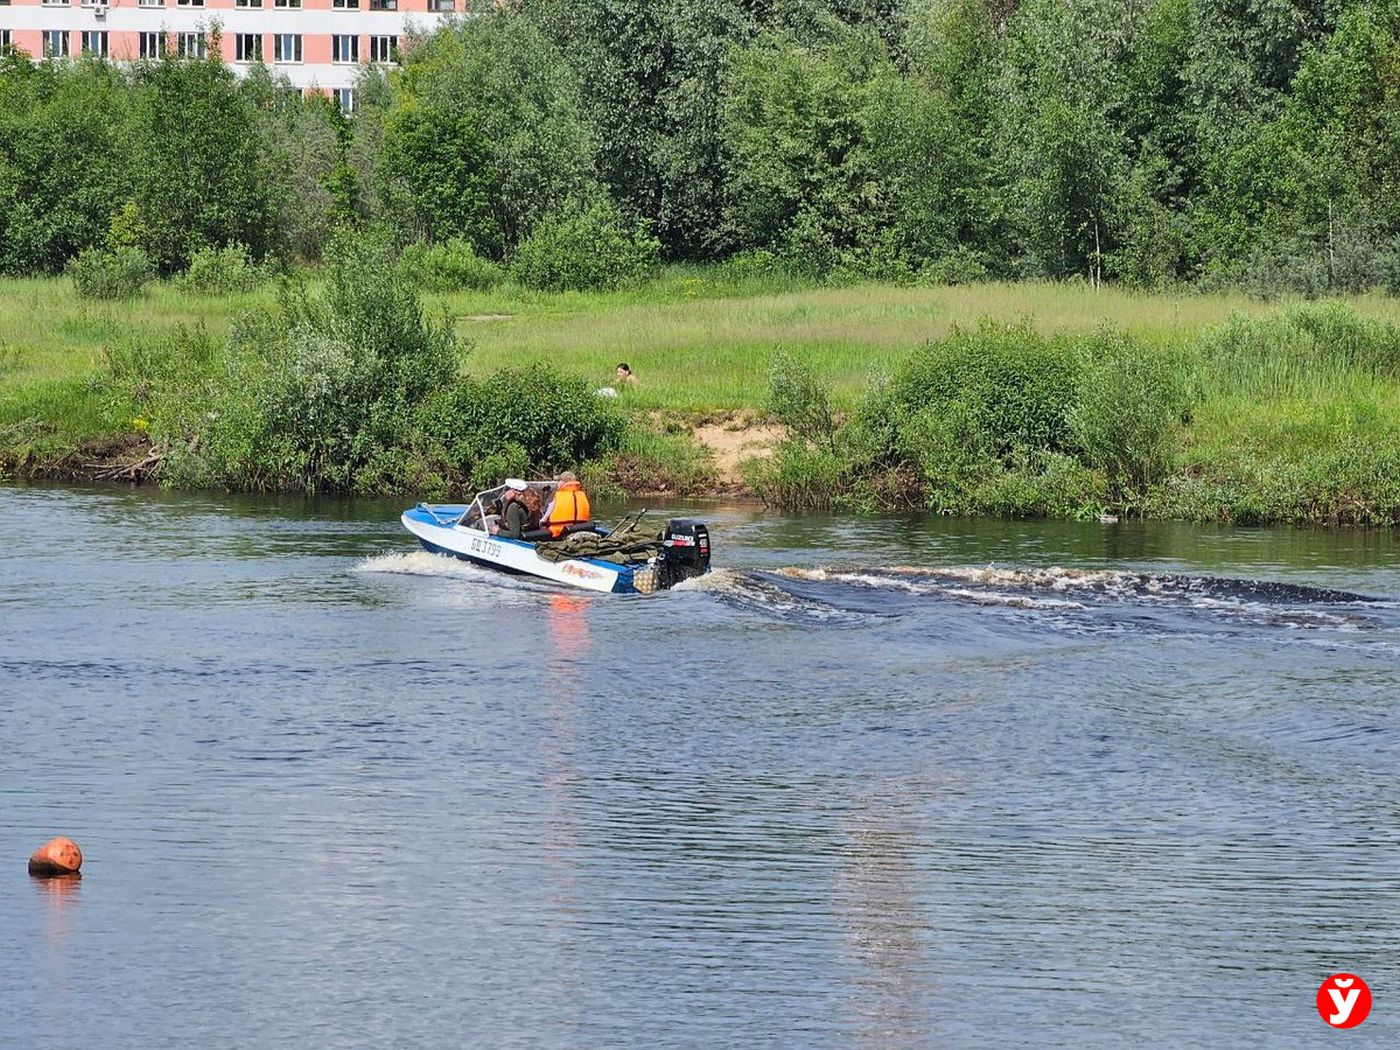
column 613, row 559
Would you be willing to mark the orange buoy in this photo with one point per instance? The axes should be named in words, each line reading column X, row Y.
column 58, row 856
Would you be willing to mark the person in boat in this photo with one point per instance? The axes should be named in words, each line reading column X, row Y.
column 520, row 510
column 568, row 507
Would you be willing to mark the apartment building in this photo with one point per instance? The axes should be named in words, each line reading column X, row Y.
column 318, row 44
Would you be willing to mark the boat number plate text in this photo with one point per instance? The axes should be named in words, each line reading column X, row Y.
column 486, row 547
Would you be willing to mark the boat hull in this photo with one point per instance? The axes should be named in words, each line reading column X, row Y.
column 436, row 529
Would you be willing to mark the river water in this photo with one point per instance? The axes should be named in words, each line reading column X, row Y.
column 875, row 782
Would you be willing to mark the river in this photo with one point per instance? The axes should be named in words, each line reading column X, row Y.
column 887, row 782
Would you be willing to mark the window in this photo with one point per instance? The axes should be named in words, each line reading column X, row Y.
column 383, row 5
column 346, row 5
column 442, row 5
column 55, row 3
column 189, row 45
column 247, row 3
column 152, row 45
column 95, row 43
column 247, row 47
column 286, row 3
column 190, row 3
column 345, row 49
column 286, row 47
column 5, row 40
column 55, row 43
column 150, row 3
column 345, row 98
column 383, row 49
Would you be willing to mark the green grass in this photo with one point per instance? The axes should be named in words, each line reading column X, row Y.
column 697, row 340
column 707, row 346
column 1293, row 427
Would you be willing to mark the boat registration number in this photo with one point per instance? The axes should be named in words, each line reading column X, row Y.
column 487, row 547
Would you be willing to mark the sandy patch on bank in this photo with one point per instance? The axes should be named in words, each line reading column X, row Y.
column 734, row 439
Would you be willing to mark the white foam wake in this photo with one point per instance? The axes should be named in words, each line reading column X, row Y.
column 422, row 563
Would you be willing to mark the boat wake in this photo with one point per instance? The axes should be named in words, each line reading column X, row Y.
column 1092, row 600
column 756, row 592
column 1082, row 591
column 425, row 563
column 491, row 585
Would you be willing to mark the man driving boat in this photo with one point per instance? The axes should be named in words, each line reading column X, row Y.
column 520, row 510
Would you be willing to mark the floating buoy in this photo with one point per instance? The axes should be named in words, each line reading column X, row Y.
column 59, row 856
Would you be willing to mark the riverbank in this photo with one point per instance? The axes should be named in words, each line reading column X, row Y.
column 1305, row 435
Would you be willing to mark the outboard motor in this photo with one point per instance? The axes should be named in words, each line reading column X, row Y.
column 685, row 550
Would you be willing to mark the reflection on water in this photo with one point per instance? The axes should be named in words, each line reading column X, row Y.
column 867, row 778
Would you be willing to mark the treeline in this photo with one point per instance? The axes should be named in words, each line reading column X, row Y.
column 1152, row 142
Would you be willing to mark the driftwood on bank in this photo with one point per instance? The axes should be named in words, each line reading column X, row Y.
column 136, row 471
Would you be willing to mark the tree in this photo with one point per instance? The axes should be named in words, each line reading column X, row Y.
column 792, row 125
column 66, row 162
column 203, row 180
column 484, row 134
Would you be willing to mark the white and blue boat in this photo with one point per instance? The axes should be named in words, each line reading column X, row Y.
column 466, row 531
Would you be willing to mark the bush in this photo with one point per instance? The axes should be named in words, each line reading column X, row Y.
column 800, row 402
column 1126, row 418
column 449, row 266
column 529, row 421
column 327, row 394
column 585, row 247
column 122, row 273
column 221, row 271
column 1005, row 387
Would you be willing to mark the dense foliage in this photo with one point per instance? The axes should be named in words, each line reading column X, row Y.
column 1004, row 421
column 1241, row 142
column 352, row 390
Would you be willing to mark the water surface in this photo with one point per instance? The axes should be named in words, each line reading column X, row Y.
column 876, row 782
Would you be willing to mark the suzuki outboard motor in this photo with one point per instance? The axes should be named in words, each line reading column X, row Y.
column 685, row 551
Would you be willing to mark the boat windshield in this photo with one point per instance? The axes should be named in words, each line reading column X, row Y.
column 483, row 509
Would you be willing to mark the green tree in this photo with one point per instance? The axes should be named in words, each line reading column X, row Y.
column 931, row 135
column 66, row 162
column 792, row 124
column 484, row 133
column 203, row 179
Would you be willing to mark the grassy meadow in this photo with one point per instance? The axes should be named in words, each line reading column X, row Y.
column 696, row 341
column 701, row 342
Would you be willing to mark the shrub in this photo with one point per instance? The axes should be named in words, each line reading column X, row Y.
column 1007, row 387
column 529, row 421
column 121, row 273
column 221, row 271
column 1127, row 414
column 800, row 402
column 328, row 393
column 449, row 266
column 585, row 247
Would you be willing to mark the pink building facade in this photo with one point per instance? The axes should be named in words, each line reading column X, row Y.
column 317, row 44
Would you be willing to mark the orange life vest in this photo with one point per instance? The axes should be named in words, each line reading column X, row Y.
column 570, row 507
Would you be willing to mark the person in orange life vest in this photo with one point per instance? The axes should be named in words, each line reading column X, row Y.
column 569, row 506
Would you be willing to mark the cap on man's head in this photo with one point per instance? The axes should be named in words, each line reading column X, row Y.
column 516, row 484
